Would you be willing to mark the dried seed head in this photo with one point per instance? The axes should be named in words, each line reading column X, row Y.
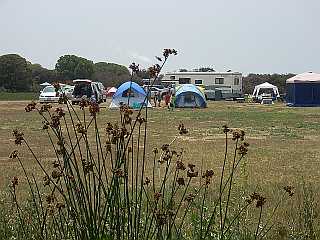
column 191, row 174
column 109, row 128
column 226, row 129
column 167, row 52
column 94, row 108
column 147, row 181
column 161, row 218
column 134, row 67
column 80, row 128
column 180, row 181
column 289, row 190
column 50, row 198
column 180, row 166
column 118, row 172
column 158, row 58
column 18, row 137
column 14, row 182
column 56, row 174
column 46, row 181
column 45, row 108
column 56, row 164
column 60, row 112
column 154, row 70
column 208, row 174
column 60, row 205
column 182, row 129
column 55, row 121
column 13, row 154
column 165, row 147
column 87, row 166
column 83, row 103
column 157, row 196
column 191, row 167
column 190, row 197
column 260, row 202
column 45, row 125
column 155, row 150
column 31, row 106
column 238, row 135
column 243, row 149
column 108, row 146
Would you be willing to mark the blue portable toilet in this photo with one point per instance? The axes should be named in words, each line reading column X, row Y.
column 132, row 92
column 189, row 95
column 303, row 90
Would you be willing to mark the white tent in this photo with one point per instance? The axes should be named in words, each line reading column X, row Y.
column 45, row 84
column 111, row 91
column 265, row 85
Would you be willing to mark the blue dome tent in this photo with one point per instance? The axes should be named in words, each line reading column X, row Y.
column 303, row 90
column 136, row 96
column 189, row 95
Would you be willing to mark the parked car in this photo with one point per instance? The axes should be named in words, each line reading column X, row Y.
column 49, row 95
column 68, row 90
column 102, row 90
column 156, row 88
column 85, row 89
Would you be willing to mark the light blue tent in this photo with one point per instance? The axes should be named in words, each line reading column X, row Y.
column 136, row 97
column 189, row 95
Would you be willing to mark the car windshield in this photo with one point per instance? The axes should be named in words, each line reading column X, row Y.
column 49, row 89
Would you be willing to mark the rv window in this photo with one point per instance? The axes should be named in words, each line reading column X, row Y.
column 198, row 81
column 184, row 80
column 172, row 77
column 236, row 81
column 219, row 80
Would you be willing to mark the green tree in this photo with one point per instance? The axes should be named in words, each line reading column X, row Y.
column 110, row 74
column 15, row 74
column 41, row 74
column 71, row 67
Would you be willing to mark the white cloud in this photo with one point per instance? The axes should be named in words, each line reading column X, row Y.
column 139, row 58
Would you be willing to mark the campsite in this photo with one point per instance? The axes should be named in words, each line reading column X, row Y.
column 159, row 120
column 282, row 135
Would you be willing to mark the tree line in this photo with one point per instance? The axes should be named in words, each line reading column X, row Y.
column 18, row 74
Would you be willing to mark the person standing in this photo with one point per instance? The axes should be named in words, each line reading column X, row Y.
column 155, row 99
column 159, row 98
column 167, row 99
column 173, row 102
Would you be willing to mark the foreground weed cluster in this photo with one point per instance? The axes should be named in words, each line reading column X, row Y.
column 98, row 187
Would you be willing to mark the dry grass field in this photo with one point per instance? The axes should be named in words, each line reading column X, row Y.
column 283, row 151
column 284, row 142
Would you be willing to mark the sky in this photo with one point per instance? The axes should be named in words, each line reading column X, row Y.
column 259, row 36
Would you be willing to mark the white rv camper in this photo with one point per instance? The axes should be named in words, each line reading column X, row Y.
column 228, row 84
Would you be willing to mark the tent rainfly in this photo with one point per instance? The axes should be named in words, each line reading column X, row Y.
column 303, row 90
column 266, row 85
column 189, row 95
column 132, row 93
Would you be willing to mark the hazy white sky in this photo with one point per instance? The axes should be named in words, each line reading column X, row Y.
column 249, row 35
